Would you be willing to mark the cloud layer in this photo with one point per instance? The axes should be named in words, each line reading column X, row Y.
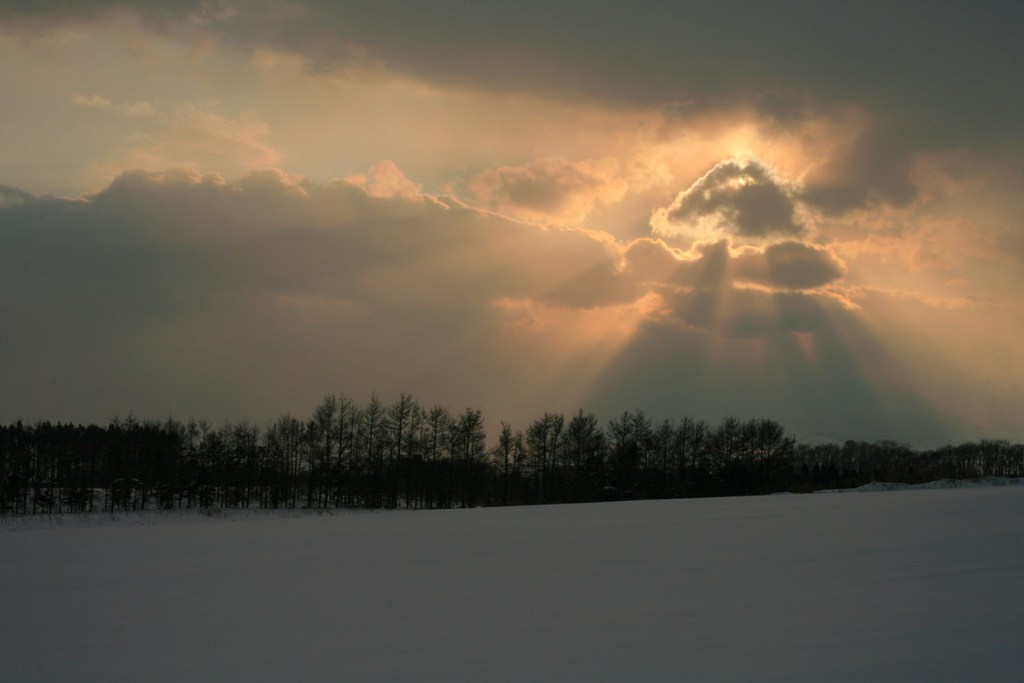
column 178, row 292
column 299, row 274
column 810, row 211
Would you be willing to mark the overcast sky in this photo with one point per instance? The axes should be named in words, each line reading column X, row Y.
column 809, row 211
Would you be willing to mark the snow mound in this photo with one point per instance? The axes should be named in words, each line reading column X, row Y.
column 76, row 520
column 983, row 482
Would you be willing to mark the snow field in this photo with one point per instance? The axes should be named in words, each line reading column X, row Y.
column 902, row 585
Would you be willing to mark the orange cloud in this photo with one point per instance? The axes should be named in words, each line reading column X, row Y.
column 385, row 179
column 556, row 190
column 141, row 108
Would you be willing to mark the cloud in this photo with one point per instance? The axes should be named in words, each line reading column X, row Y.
column 789, row 265
column 830, row 184
column 617, row 55
column 157, row 15
column 705, row 275
column 183, row 293
column 785, row 110
column 754, row 293
column 874, row 168
column 742, row 199
column 559, row 191
column 178, row 292
column 709, row 289
column 246, row 279
column 270, row 231
column 1013, row 243
column 385, row 179
column 12, row 196
column 972, row 208
column 543, row 187
column 743, row 313
column 326, row 54
column 141, row 108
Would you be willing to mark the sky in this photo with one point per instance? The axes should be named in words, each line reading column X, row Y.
column 808, row 211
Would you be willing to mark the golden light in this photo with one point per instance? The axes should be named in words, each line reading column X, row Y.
column 570, row 348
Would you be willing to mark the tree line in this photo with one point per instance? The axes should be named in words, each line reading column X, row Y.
column 402, row 455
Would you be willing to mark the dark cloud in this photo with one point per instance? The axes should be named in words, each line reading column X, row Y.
column 700, row 283
column 784, row 110
column 41, row 15
column 1011, row 243
column 11, row 196
column 947, row 67
column 750, row 313
column 186, row 287
column 789, row 265
column 874, row 169
column 341, row 240
column 928, row 75
column 743, row 197
column 624, row 50
column 541, row 186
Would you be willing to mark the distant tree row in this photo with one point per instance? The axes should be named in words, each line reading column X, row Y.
column 403, row 455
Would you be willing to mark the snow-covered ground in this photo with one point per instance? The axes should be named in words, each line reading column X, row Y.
column 903, row 585
column 982, row 482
